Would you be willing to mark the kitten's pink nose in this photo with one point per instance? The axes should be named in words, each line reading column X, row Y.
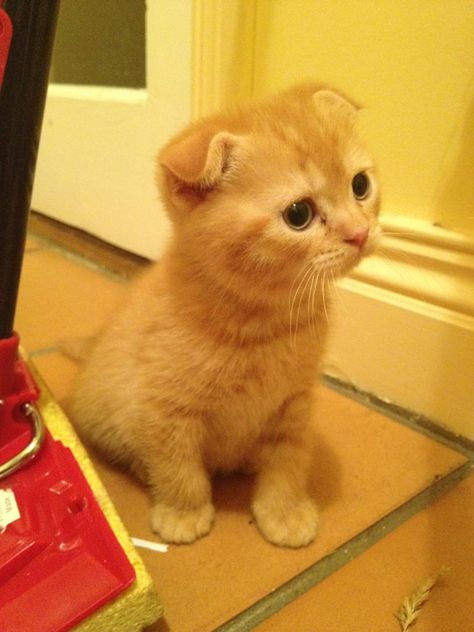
column 359, row 238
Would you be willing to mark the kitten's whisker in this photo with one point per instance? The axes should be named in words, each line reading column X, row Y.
column 312, row 290
column 400, row 254
column 302, row 293
column 338, row 296
column 315, row 303
column 324, row 296
column 396, row 234
column 302, row 272
column 398, row 260
column 401, row 258
column 315, row 313
column 292, row 298
column 308, row 303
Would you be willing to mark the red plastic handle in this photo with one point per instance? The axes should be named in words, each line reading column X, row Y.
column 6, row 31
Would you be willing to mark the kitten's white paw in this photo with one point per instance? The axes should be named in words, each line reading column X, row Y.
column 292, row 526
column 179, row 526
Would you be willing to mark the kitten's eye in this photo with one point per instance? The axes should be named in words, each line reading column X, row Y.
column 360, row 186
column 299, row 215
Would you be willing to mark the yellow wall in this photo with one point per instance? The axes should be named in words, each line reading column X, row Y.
column 411, row 63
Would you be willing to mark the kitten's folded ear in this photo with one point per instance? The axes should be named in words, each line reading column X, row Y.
column 334, row 103
column 194, row 164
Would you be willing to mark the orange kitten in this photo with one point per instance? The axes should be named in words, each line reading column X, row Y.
column 211, row 364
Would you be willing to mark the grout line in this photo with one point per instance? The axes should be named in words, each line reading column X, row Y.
column 103, row 256
column 63, row 251
column 408, row 418
column 307, row 579
column 41, row 352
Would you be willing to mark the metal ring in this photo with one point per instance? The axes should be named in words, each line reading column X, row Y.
column 32, row 448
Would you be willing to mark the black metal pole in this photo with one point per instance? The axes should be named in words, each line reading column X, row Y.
column 22, row 99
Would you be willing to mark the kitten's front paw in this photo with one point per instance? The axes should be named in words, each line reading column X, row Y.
column 179, row 526
column 292, row 526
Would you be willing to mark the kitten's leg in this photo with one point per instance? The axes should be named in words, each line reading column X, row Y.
column 180, row 484
column 284, row 512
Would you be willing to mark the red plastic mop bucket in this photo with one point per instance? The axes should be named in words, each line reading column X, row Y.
column 59, row 558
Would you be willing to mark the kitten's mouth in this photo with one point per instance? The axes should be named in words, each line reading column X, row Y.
column 339, row 261
column 356, row 256
column 360, row 252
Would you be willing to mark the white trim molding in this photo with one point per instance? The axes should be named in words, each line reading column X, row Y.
column 223, row 53
column 404, row 325
column 425, row 262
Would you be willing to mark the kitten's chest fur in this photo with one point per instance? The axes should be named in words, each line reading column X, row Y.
column 236, row 385
column 254, row 384
column 229, row 367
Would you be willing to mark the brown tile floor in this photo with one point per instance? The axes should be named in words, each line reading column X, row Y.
column 375, row 477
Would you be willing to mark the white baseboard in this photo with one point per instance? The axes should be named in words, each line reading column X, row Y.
column 404, row 324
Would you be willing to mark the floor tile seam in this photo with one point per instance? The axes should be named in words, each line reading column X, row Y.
column 295, row 587
column 32, row 249
column 42, row 351
column 63, row 251
column 407, row 418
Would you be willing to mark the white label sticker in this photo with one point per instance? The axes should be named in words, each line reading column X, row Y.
column 8, row 508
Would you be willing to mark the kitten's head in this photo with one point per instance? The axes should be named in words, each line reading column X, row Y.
column 258, row 195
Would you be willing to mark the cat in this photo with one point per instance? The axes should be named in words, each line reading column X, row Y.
column 211, row 363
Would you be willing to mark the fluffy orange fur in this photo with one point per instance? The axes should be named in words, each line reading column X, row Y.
column 211, row 363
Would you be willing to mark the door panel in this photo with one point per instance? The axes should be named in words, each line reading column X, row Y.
column 97, row 154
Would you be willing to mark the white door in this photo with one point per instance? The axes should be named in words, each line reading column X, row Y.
column 96, row 160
